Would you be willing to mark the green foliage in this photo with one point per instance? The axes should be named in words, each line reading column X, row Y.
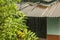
column 12, row 21
column 29, row 35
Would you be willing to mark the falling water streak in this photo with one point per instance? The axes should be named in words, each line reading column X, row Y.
column 51, row 11
column 45, row 11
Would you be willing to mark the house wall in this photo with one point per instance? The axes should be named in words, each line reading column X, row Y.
column 59, row 27
column 53, row 26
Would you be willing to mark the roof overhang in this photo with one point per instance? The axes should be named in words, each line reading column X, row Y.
column 40, row 11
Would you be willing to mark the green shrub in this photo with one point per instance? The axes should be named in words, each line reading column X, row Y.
column 12, row 22
column 27, row 35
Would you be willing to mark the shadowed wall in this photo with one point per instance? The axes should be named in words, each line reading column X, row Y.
column 38, row 25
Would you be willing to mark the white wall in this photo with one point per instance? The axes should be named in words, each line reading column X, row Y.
column 53, row 26
column 59, row 27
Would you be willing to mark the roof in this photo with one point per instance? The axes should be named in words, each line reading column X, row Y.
column 41, row 11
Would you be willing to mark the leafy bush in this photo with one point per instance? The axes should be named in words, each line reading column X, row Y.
column 27, row 35
column 12, row 22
